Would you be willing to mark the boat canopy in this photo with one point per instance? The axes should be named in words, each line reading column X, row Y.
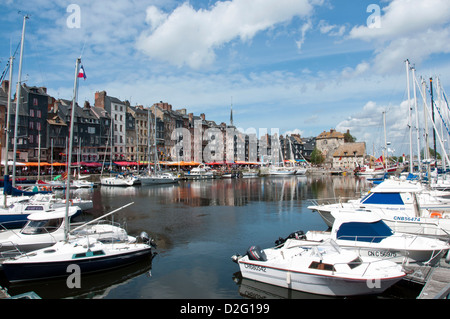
column 383, row 199
column 365, row 232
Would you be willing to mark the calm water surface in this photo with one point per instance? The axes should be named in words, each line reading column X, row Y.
column 198, row 226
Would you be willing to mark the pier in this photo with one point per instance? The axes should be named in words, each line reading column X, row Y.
column 435, row 280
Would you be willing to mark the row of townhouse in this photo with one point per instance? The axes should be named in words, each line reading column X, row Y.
column 113, row 130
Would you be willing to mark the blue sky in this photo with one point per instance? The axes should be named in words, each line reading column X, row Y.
column 302, row 66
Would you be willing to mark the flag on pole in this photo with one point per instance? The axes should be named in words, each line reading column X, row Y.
column 81, row 73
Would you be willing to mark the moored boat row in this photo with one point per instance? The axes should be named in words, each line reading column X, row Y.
column 364, row 245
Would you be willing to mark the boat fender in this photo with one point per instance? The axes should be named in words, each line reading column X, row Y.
column 447, row 258
column 255, row 253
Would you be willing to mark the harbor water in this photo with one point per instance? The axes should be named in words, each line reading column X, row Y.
column 198, row 225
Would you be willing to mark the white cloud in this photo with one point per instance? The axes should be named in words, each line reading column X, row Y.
column 307, row 26
column 405, row 18
column 332, row 30
column 190, row 37
column 409, row 29
column 359, row 70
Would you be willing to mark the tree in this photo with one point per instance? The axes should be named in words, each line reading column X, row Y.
column 431, row 152
column 317, row 157
column 348, row 138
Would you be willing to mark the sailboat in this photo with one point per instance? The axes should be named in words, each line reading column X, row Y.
column 119, row 179
column 276, row 170
column 88, row 253
column 157, row 177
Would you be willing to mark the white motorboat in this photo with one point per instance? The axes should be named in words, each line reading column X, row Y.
column 159, row 178
column 324, row 269
column 201, row 172
column 88, row 253
column 41, row 230
column 15, row 216
column 281, row 171
column 80, row 183
column 370, row 236
column 83, row 204
column 398, row 202
column 120, row 180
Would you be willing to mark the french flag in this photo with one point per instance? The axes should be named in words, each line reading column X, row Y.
column 81, row 73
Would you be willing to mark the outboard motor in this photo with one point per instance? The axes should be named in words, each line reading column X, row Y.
column 255, row 253
column 297, row 235
column 147, row 240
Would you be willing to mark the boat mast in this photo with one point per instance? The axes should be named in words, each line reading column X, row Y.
column 11, row 59
column 427, row 142
column 409, row 121
column 385, row 143
column 413, row 69
column 69, row 160
column 149, row 148
column 19, row 87
column 434, row 131
column 442, row 122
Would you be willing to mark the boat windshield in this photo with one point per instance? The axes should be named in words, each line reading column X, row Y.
column 35, row 227
column 365, row 232
column 383, row 199
column 355, row 263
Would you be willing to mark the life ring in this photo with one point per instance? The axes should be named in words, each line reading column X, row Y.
column 436, row 214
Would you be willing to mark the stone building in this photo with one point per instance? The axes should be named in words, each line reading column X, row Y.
column 349, row 156
column 328, row 143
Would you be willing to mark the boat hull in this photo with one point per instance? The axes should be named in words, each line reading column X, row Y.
column 312, row 283
column 34, row 271
column 157, row 181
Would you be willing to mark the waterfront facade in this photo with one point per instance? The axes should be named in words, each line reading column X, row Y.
column 113, row 130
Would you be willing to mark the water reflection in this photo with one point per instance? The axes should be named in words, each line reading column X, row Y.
column 239, row 192
column 93, row 286
column 252, row 289
column 198, row 226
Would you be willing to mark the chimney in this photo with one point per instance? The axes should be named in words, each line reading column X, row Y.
column 100, row 99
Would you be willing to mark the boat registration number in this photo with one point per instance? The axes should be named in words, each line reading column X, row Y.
column 255, row 267
column 381, row 253
column 407, row 219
